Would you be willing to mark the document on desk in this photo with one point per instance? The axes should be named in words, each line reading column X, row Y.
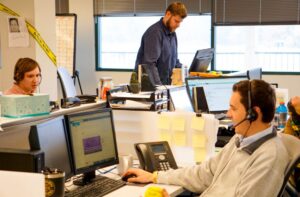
column 131, row 95
column 129, row 104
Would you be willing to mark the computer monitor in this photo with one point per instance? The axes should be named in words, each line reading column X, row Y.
column 51, row 137
column 217, row 91
column 254, row 73
column 202, row 60
column 180, row 99
column 93, row 142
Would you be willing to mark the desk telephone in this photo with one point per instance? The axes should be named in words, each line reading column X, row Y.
column 155, row 156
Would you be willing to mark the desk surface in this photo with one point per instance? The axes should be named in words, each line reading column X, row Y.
column 138, row 191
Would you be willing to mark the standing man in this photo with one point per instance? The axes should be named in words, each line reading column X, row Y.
column 159, row 43
column 251, row 164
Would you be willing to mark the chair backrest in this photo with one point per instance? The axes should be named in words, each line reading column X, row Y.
column 292, row 145
column 67, row 83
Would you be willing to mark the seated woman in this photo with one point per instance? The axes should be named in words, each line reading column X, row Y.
column 27, row 76
column 292, row 127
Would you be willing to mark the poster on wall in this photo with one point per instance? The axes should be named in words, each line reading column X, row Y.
column 18, row 35
column 66, row 41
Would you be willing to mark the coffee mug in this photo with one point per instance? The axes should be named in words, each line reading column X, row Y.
column 54, row 182
column 125, row 162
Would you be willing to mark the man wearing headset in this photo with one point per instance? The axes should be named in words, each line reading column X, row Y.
column 251, row 164
column 27, row 76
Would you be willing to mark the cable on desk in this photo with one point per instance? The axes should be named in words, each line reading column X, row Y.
column 107, row 171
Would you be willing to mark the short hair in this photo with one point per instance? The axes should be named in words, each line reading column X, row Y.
column 13, row 19
column 262, row 96
column 22, row 66
column 177, row 8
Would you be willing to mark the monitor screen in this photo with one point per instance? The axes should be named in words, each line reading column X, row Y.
column 51, row 137
column 93, row 141
column 180, row 99
column 202, row 60
column 217, row 91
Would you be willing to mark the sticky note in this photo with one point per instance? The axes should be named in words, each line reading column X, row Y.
column 197, row 123
column 179, row 138
column 164, row 122
column 165, row 136
column 198, row 140
column 178, row 124
column 199, row 154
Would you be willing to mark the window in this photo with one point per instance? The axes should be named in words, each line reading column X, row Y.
column 119, row 39
column 274, row 48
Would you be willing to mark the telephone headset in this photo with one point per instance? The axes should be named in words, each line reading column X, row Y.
column 251, row 115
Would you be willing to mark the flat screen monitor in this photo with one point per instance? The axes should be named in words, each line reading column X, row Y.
column 51, row 137
column 202, row 60
column 93, row 142
column 254, row 73
column 217, row 91
column 180, row 99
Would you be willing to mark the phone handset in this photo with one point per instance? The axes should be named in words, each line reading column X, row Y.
column 144, row 157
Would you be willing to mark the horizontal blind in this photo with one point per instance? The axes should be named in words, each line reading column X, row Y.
column 146, row 7
column 241, row 12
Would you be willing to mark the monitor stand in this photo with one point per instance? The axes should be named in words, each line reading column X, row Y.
column 85, row 179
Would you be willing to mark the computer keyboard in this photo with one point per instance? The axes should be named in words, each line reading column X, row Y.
column 100, row 187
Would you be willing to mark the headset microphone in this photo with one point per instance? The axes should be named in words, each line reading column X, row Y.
column 239, row 123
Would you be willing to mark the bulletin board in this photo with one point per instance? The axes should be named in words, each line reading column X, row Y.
column 66, row 41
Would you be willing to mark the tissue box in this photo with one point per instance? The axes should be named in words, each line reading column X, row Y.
column 17, row 106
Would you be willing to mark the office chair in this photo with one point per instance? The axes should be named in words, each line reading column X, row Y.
column 292, row 145
column 67, row 82
column 69, row 89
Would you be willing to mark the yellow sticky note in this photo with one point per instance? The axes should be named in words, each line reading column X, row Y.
column 164, row 122
column 180, row 138
column 197, row 123
column 199, row 140
column 165, row 136
column 199, row 154
column 178, row 124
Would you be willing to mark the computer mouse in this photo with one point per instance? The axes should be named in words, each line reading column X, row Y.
column 126, row 177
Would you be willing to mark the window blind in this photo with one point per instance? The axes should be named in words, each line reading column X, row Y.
column 146, row 7
column 239, row 12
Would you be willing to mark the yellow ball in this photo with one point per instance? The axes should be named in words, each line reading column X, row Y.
column 153, row 191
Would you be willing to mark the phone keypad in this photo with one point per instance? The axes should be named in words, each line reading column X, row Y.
column 164, row 166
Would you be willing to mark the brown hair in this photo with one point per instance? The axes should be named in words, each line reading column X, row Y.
column 262, row 96
column 22, row 66
column 177, row 8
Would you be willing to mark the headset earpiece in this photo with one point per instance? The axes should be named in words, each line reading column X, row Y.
column 251, row 113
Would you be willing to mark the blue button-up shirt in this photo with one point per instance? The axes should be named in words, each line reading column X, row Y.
column 159, row 48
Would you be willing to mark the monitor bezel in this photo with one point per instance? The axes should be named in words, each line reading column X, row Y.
column 187, row 79
column 91, row 168
column 34, row 142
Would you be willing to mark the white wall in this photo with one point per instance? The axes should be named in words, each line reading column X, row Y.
column 40, row 14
